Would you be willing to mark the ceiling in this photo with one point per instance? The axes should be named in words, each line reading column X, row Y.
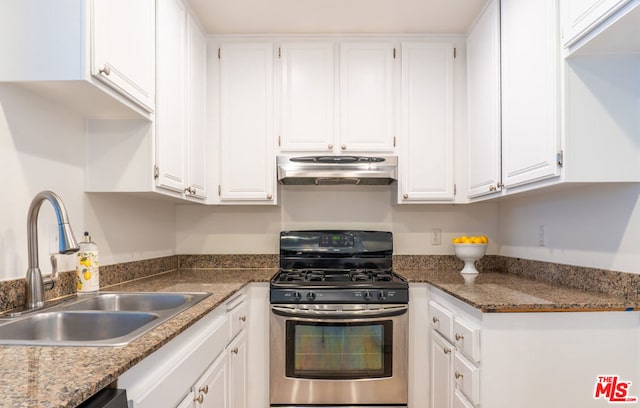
column 336, row 16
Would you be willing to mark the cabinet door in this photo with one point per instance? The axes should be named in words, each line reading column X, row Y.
column 247, row 170
column 441, row 372
column 188, row 401
column 171, row 121
column 530, row 108
column 366, row 96
column 211, row 391
column 426, row 171
column 307, row 96
column 580, row 16
column 197, row 146
column 123, row 35
column 483, row 82
column 238, row 371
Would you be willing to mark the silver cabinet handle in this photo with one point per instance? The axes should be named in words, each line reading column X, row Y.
column 243, row 318
column 435, row 320
column 458, row 375
column 446, row 350
column 330, row 146
column 405, row 196
column 269, row 196
column 343, row 147
column 105, row 70
column 199, row 399
column 234, row 350
column 459, row 337
column 204, row 390
column 492, row 188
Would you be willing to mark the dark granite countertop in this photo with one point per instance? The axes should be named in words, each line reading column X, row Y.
column 504, row 292
column 66, row 376
column 33, row 377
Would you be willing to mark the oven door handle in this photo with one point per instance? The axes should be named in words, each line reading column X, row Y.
column 387, row 311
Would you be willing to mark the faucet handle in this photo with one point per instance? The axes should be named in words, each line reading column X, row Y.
column 49, row 281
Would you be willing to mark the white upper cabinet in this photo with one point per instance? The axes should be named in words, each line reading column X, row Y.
column 582, row 16
column 247, row 168
column 426, row 161
column 307, row 96
column 181, row 147
column 171, row 116
column 483, row 95
column 123, row 54
column 530, row 91
column 97, row 57
column 366, row 96
column 197, row 141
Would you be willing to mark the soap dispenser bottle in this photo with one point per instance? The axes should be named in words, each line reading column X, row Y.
column 87, row 274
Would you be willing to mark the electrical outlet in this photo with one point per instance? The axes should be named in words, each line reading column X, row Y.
column 542, row 236
column 436, row 236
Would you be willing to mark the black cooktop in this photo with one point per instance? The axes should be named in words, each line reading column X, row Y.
column 337, row 266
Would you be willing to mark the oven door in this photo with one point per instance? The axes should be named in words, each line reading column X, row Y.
column 338, row 354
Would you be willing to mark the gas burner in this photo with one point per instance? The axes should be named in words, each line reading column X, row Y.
column 314, row 276
column 382, row 276
column 360, row 276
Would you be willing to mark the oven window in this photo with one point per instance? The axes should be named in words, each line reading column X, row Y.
column 321, row 350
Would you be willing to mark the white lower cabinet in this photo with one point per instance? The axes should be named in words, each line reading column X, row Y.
column 204, row 367
column 452, row 338
column 441, row 369
column 237, row 359
column 528, row 360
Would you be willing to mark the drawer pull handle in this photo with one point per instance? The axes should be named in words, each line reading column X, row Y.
column 330, row 147
column 446, row 350
column 204, row 390
column 458, row 375
column 435, row 320
column 199, row 399
column 243, row 318
column 106, row 70
column 459, row 337
column 234, row 350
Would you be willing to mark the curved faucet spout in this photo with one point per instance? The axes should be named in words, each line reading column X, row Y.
column 68, row 244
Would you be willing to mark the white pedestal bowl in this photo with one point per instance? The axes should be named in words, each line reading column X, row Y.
column 469, row 253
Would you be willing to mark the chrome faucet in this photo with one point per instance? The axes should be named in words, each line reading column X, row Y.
column 35, row 284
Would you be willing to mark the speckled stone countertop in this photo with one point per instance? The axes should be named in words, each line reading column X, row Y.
column 504, row 292
column 65, row 376
column 33, row 377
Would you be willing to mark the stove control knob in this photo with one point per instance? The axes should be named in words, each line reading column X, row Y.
column 367, row 295
column 382, row 295
column 297, row 295
column 311, row 296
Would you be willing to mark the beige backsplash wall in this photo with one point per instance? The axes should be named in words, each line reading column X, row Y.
column 42, row 146
column 254, row 229
column 596, row 226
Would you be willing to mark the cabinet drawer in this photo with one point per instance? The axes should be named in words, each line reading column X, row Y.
column 237, row 310
column 466, row 337
column 467, row 377
column 441, row 319
column 460, row 401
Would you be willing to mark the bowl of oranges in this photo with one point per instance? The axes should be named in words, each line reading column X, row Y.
column 470, row 249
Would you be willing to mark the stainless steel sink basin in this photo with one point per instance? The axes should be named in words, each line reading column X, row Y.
column 104, row 319
column 139, row 302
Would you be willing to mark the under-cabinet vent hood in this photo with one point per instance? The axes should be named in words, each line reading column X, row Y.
column 332, row 170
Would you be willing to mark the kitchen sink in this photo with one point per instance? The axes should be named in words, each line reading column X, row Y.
column 139, row 302
column 103, row 319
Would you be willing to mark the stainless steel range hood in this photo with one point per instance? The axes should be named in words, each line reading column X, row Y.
column 332, row 170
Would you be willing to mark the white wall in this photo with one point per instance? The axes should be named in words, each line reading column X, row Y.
column 42, row 146
column 254, row 229
column 595, row 226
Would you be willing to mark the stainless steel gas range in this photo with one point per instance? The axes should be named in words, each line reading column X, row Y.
column 339, row 322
